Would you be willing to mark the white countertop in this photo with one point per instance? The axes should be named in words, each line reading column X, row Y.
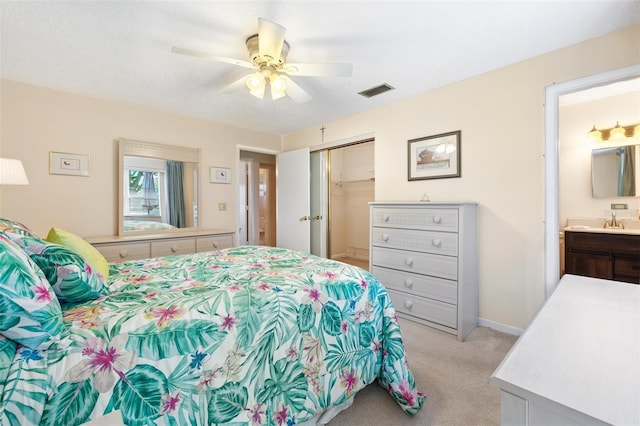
column 582, row 351
column 631, row 226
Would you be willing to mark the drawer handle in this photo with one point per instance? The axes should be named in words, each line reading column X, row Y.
column 409, row 261
column 436, row 242
column 123, row 253
column 408, row 304
column 386, row 218
column 408, row 283
column 214, row 244
column 437, row 219
column 385, row 237
column 174, row 249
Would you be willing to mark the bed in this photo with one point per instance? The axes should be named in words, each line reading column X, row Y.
column 249, row 335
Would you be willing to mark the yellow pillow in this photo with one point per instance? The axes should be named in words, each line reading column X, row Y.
column 80, row 246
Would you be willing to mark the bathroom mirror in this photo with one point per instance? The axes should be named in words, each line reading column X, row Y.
column 158, row 187
column 615, row 171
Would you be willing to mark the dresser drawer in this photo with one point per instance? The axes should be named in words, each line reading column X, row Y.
column 427, row 241
column 420, row 285
column 430, row 310
column 416, row 218
column 214, row 243
column 124, row 252
column 171, row 247
column 420, row 263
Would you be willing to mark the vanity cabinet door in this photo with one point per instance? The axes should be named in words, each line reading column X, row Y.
column 589, row 265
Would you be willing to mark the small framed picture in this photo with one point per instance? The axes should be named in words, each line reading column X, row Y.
column 62, row 163
column 434, row 157
column 219, row 175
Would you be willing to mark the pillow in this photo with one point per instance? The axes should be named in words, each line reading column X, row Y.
column 30, row 313
column 71, row 276
column 14, row 227
column 80, row 246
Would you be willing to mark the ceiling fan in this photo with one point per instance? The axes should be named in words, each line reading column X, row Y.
column 268, row 52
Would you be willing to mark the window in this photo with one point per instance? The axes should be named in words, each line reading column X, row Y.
column 144, row 186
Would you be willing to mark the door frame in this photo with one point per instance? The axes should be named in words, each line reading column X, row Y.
column 552, row 174
column 252, row 203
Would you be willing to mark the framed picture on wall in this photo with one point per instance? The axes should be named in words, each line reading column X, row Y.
column 62, row 163
column 219, row 175
column 434, row 157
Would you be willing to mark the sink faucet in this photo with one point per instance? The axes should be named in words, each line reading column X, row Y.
column 613, row 223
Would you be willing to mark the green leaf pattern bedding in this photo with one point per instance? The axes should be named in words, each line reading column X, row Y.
column 243, row 336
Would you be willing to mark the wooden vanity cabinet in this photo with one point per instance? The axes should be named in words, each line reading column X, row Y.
column 612, row 256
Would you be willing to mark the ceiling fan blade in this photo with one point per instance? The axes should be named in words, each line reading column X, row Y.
column 238, row 84
column 295, row 92
column 336, row 70
column 198, row 54
column 271, row 38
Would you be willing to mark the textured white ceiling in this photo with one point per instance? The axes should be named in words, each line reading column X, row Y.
column 121, row 50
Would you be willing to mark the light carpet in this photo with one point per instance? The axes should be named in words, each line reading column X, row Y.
column 453, row 375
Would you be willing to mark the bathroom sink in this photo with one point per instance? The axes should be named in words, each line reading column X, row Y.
column 631, row 226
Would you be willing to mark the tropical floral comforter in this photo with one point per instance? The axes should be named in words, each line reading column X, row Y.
column 242, row 336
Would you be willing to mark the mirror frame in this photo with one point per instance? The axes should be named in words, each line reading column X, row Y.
column 133, row 148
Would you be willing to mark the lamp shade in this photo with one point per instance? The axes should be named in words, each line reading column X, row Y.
column 12, row 172
column 617, row 132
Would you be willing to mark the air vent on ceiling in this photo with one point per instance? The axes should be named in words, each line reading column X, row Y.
column 374, row 91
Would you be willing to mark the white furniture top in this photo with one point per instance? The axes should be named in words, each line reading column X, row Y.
column 582, row 351
column 420, row 203
column 188, row 233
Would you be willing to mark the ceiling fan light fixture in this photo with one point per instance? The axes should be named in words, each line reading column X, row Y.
column 278, row 86
column 256, row 84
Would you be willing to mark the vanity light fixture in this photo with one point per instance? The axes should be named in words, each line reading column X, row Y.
column 594, row 135
column 12, row 172
column 617, row 132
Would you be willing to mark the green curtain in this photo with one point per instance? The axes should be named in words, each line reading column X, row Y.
column 627, row 179
column 175, row 198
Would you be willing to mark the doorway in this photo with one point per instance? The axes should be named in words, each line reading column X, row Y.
column 552, row 212
column 267, row 204
column 256, row 199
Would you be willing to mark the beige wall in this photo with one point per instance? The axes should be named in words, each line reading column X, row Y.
column 501, row 115
column 37, row 120
column 574, row 154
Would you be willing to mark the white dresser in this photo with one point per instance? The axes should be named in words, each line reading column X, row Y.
column 578, row 361
column 142, row 246
column 426, row 256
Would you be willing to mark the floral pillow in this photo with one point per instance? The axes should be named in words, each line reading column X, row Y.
column 8, row 225
column 71, row 276
column 30, row 313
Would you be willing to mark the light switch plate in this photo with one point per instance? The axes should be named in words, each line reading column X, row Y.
column 222, row 206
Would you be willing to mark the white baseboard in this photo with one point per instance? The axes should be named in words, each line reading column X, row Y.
column 500, row 327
